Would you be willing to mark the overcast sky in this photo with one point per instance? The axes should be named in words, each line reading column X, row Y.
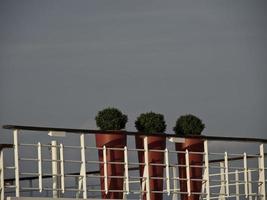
column 62, row 61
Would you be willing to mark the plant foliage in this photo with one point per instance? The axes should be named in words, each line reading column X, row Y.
column 188, row 125
column 111, row 119
column 150, row 123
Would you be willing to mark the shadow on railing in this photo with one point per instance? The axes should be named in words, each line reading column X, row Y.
column 67, row 163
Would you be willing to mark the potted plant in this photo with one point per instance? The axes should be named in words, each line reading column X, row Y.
column 152, row 123
column 190, row 125
column 111, row 119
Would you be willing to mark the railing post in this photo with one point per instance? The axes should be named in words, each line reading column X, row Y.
column 245, row 174
column 262, row 184
column 126, row 170
column 55, row 169
column 62, row 171
column 40, row 171
column 83, row 165
column 2, row 177
column 147, row 168
column 206, row 158
column 226, row 171
column 16, row 161
column 167, row 167
column 105, row 169
column 187, row 165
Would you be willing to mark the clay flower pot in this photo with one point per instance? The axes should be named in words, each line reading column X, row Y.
column 192, row 145
column 112, row 141
column 157, row 143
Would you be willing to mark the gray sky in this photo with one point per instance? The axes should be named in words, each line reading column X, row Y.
column 62, row 61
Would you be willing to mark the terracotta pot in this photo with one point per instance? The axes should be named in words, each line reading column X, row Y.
column 192, row 145
column 158, row 143
column 112, row 141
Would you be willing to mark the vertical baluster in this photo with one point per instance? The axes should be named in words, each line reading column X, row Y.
column 2, row 177
column 83, row 165
column 62, row 171
column 226, row 173
column 40, row 171
column 126, row 170
column 187, row 164
column 167, row 167
column 16, row 161
column 147, row 168
column 262, row 184
column 245, row 174
column 105, row 169
column 206, row 158
column 55, row 169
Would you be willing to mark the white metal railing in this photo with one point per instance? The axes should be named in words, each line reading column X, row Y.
column 48, row 172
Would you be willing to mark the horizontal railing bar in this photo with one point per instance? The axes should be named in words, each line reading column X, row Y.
column 135, row 163
column 165, row 191
column 72, row 161
column 73, row 175
column 232, row 196
column 50, row 160
column 232, row 154
column 234, row 158
column 87, row 131
column 29, row 145
column 136, row 150
column 240, row 194
column 27, row 189
column 29, row 159
column 29, row 173
column 10, row 167
column 233, row 173
column 252, row 169
column 248, row 155
column 72, row 147
column 138, row 181
column 10, row 186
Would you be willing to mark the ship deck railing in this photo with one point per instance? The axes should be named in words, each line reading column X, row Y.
column 49, row 162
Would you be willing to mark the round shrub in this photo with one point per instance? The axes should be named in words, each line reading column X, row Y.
column 111, row 119
column 150, row 123
column 188, row 125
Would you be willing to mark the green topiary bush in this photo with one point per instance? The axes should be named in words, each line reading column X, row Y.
column 188, row 125
column 150, row 123
column 111, row 119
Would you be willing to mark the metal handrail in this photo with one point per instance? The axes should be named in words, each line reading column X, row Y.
column 166, row 135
